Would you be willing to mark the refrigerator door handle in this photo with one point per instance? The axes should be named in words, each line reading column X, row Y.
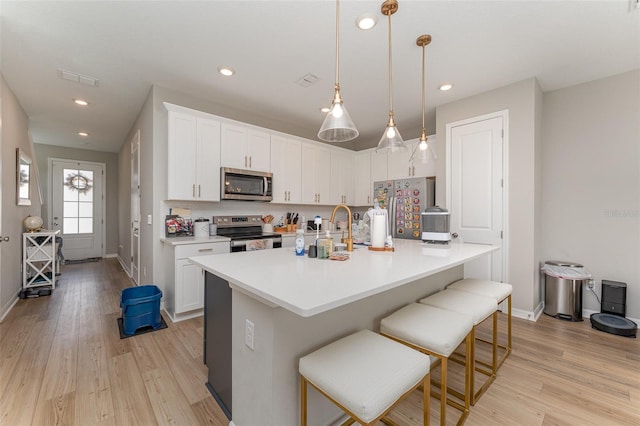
column 392, row 216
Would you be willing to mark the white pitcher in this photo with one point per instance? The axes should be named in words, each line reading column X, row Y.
column 379, row 226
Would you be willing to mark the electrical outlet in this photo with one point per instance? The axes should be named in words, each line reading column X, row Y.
column 248, row 334
column 590, row 284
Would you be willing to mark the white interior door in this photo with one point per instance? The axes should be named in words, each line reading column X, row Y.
column 475, row 189
column 135, row 208
column 77, row 207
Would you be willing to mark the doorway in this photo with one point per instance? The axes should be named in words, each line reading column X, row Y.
column 135, row 208
column 77, row 206
column 477, row 189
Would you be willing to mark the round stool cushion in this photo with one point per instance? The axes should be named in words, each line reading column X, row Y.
column 434, row 329
column 365, row 372
column 479, row 307
column 499, row 291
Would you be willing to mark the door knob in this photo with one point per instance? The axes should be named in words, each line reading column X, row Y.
column 5, row 239
column 454, row 234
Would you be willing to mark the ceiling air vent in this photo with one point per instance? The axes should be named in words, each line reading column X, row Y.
column 307, row 80
column 78, row 78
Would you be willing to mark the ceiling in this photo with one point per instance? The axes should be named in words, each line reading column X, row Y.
column 131, row 45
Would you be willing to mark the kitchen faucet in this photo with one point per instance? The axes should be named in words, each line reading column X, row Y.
column 349, row 239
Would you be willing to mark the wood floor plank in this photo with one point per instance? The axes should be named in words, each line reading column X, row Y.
column 208, row 412
column 12, row 345
column 55, row 411
column 169, row 403
column 130, row 400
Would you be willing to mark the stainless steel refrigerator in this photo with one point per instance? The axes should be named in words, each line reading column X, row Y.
column 404, row 200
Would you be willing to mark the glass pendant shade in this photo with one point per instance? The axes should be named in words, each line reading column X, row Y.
column 391, row 138
column 337, row 125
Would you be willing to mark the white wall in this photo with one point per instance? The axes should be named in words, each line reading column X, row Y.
column 522, row 100
column 591, row 181
column 14, row 134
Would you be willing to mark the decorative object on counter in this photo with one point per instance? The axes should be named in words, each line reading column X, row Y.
column 176, row 226
column 32, row 223
column 391, row 138
column 267, row 227
column 337, row 125
column 213, row 230
column 201, row 228
column 422, row 147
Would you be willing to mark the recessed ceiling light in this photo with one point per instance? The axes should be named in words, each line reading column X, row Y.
column 366, row 21
column 83, row 134
column 81, row 102
column 226, row 71
column 446, row 87
column 324, row 109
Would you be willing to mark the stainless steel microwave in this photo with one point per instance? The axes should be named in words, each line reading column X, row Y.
column 250, row 185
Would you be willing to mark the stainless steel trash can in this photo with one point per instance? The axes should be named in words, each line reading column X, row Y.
column 563, row 297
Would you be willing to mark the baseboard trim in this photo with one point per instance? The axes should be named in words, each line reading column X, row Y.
column 586, row 313
column 110, row 255
column 124, row 267
column 7, row 308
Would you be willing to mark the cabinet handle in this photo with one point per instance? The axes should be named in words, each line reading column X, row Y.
column 198, row 191
column 245, row 161
column 368, row 199
column 414, row 170
column 249, row 161
column 208, row 249
column 193, row 190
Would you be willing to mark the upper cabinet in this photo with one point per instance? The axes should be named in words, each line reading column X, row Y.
column 378, row 166
column 423, row 163
column 243, row 147
column 193, row 157
column 401, row 164
column 316, row 163
column 286, row 168
column 342, row 174
column 363, row 182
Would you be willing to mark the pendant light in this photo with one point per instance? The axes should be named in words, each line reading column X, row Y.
column 337, row 125
column 422, row 147
column 391, row 138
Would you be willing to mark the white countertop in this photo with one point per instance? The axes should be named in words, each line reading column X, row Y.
column 176, row 241
column 307, row 286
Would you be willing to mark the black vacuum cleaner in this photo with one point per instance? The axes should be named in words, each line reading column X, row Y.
column 613, row 308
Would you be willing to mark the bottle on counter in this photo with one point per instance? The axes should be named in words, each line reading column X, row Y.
column 300, row 242
column 325, row 246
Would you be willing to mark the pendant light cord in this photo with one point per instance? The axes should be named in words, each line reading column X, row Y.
column 337, row 44
column 390, row 72
column 423, row 129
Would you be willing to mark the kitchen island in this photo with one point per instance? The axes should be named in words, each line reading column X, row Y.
column 299, row 304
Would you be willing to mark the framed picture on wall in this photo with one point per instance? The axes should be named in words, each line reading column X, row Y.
column 23, row 178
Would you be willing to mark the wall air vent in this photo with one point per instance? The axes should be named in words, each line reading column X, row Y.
column 78, row 78
column 307, row 80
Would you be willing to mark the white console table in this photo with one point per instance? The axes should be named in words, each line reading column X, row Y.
column 39, row 259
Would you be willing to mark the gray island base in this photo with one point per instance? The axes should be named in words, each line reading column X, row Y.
column 298, row 305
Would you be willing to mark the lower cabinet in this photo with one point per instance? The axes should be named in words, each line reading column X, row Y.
column 184, row 292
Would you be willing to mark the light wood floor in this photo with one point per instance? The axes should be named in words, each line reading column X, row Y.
column 62, row 362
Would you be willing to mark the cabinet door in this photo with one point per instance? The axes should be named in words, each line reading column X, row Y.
column 341, row 186
column 182, row 150
column 189, row 286
column 363, row 179
column 398, row 166
column 316, row 163
column 378, row 166
column 233, row 146
column 208, row 160
column 286, row 169
column 259, row 151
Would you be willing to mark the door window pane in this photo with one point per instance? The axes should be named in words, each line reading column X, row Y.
column 78, row 201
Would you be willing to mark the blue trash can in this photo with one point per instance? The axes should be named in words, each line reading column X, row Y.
column 140, row 308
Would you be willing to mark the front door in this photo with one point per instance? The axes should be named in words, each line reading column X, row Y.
column 475, row 189
column 77, row 206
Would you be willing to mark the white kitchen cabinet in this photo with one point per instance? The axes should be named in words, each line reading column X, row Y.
column 316, row 176
column 424, row 164
column 342, row 174
column 286, row 168
column 363, row 182
column 378, row 166
column 193, row 158
column 243, row 147
column 183, row 294
column 398, row 166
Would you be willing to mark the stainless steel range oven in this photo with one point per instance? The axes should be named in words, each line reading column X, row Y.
column 246, row 233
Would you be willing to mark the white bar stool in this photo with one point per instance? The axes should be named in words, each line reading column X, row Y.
column 479, row 308
column 497, row 290
column 366, row 375
column 436, row 332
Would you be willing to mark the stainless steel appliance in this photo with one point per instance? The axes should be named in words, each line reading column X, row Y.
column 405, row 200
column 246, row 233
column 250, row 185
column 435, row 225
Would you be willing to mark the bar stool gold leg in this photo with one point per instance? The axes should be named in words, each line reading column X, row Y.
column 303, row 401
